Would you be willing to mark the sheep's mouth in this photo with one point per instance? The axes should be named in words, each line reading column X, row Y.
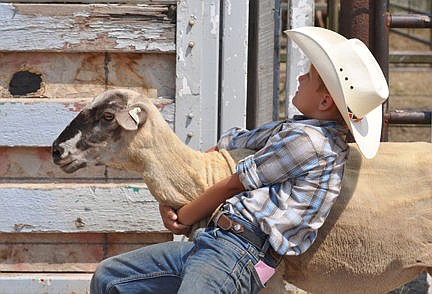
column 71, row 166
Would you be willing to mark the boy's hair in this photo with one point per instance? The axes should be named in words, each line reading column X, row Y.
column 322, row 87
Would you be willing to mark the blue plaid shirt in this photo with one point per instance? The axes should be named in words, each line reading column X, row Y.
column 291, row 181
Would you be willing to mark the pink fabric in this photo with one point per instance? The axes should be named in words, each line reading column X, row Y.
column 264, row 271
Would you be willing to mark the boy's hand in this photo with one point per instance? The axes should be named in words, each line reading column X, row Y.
column 169, row 218
column 214, row 148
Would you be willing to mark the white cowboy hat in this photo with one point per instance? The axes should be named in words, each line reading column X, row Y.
column 352, row 77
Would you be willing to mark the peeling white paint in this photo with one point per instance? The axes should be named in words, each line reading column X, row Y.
column 228, row 7
column 185, row 89
column 100, row 209
column 300, row 13
column 37, row 32
column 37, row 283
column 43, row 122
column 214, row 20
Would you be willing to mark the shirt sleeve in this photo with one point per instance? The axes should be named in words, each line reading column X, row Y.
column 237, row 138
column 287, row 154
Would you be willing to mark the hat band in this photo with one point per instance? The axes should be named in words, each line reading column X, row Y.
column 352, row 116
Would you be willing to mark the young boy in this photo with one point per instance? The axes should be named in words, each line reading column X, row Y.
column 280, row 196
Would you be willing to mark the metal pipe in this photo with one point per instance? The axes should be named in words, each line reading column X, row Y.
column 381, row 50
column 409, row 117
column 354, row 20
column 410, row 21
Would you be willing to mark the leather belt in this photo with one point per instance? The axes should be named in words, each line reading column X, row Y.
column 221, row 220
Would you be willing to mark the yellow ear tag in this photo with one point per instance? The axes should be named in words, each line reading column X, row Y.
column 134, row 114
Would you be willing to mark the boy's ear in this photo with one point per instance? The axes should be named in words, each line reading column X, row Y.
column 132, row 117
column 326, row 102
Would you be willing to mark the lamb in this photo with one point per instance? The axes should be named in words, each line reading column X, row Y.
column 376, row 238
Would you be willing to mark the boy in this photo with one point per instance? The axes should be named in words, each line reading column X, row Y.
column 280, row 196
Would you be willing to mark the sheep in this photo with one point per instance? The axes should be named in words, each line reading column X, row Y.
column 377, row 236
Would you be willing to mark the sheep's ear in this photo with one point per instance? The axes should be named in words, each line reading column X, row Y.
column 131, row 118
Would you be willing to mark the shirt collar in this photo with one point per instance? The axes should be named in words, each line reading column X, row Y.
column 319, row 123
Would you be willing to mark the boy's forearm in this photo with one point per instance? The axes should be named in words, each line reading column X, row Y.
column 207, row 202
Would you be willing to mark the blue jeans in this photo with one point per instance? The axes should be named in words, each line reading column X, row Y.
column 216, row 261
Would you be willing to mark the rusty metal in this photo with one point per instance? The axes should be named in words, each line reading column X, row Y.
column 417, row 57
column 381, row 50
column 355, row 19
column 409, row 117
column 410, row 21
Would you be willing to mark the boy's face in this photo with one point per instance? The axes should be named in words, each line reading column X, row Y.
column 308, row 96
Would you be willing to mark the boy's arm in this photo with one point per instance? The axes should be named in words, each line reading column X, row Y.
column 208, row 201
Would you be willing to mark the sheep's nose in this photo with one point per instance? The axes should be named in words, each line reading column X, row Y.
column 57, row 152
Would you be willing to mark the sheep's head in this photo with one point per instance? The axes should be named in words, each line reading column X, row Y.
column 98, row 135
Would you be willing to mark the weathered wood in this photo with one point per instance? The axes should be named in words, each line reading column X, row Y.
column 39, row 123
column 300, row 13
column 197, row 72
column 261, row 67
column 72, row 208
column 12, row 283
column 68, row 252
column 85, row 75
column 34, row 165
column 147, row 2
column 234, row 64
column 83, row 28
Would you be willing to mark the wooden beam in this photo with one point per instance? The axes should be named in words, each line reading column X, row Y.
column 69, row 208
column 68, row 252
column 18, row 120
column 300, row 13
column 261, row 66
column 83, row 76
column 234, row 64
column 32, row 283
column 87, row 28
column 197, row 72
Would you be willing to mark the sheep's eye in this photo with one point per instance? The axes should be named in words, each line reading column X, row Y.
column 108, row 116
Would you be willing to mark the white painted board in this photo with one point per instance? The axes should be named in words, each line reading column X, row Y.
column 60, row 208
column 39, row 123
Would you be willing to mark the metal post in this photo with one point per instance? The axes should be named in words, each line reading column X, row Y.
column 355, row 19
column 381, row 51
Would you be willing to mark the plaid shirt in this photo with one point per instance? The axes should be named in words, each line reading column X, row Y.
column 291, row 181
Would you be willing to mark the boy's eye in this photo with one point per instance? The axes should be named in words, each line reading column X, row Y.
column 108, row 116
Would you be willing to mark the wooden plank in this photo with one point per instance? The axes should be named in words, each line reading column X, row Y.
column 147, row 2
column 73, row 252
column 18, row 122
column 35, row 165
column 78, row 208
column 300, row 13
column 19, row 119
column 197, row 72
column 261, row 67
column 11, row 283
column 86, row 28
column 84, row 75
column 234, row 64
